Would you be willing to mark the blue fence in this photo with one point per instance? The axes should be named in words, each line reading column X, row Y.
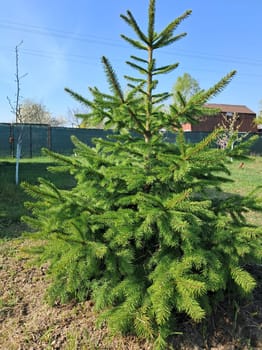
column 58, row 139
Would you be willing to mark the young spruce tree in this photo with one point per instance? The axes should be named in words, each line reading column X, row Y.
column 147, row 232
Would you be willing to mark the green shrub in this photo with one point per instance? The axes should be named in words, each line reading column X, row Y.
column 146, row 232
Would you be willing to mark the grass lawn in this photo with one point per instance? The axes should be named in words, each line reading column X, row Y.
column 12, row 197
column 27, row 322
column 247, row 178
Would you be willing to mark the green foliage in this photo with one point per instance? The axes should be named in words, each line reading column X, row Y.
column 147, row 231
column 185, row 87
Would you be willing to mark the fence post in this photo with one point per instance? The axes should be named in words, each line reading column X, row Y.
column 11, row 140
column 49, row 137
column 30, row 142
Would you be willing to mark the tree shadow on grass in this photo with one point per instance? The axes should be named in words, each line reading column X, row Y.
column 10, row 228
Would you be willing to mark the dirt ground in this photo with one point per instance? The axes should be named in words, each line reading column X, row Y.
column 27, row 322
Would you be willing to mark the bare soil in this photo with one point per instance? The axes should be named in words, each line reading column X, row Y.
column 27, row 322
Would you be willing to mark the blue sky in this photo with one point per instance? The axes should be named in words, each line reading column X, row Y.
column 63, row 42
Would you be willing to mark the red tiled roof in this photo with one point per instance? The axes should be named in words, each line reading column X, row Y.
column 230, row 108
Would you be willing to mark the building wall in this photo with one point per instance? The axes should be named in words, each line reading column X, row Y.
column 209, row 123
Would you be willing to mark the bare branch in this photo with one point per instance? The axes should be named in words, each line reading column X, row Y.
column 15, row 107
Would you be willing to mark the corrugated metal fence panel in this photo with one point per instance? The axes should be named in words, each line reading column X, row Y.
column 256, row 148
column 194, row 136
column 58, row 139
column 191, row 137
column 5, row 144
column 61, row 138
column 40, row 138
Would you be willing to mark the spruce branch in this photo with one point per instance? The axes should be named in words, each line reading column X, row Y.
column 243, row 279
column 203, row 144
column 130, row 20
column 137, row 80
column 132, row 96
column 156, row 99
column 78, row 97
column 136, row 89
column 112, row 79
column 137, row 67
column 204, row 96
column 166, row 42
column 133, row 42
column 151, row 21
column 181, row 99
column 167, row 33
column 165, row 69
column 138, row 59
column 115, row 86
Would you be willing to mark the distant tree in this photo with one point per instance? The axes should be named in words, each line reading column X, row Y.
column 85, row 125
column 37, row 113
column 73, row 120
column 186, row 86
column 258, row 120
column 230, row 125
column 78, row 118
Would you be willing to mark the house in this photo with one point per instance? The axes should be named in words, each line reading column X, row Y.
column 245, row 119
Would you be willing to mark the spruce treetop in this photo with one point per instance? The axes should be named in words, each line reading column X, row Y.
column 141, row 107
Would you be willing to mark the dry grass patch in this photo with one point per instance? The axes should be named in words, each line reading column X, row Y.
column 28, row 322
